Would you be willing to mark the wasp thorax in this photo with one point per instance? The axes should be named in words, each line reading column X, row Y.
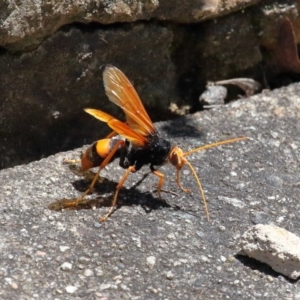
column 176, row 157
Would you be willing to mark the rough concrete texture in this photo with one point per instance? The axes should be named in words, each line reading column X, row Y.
column 149, row 250
column 26, row 23
column 275, row 246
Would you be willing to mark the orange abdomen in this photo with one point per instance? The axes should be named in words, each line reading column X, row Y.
column 95, row 154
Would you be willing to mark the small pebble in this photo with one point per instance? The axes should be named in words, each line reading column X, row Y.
column 177, row 263
column 71, row 289
column 13, row 284
column 171, row 236
column 231, row 258
column 97, row 224
column 99, row 271
column 170, row 275
column 151, row 260
column 222, row 228
column 104, row 286
column 122, row 246
column 88, row 273
column 63, row 248
column 84, row 259
column 124, row 287
column 204, row 258
column 8, row 280
column 213, row 95
column 232, row 201
column 223, row 258
column 66, row 266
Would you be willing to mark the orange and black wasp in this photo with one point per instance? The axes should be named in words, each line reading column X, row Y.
column 138, row 142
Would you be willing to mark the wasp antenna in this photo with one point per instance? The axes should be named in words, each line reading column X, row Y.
column 216, row 145
column 200, row 187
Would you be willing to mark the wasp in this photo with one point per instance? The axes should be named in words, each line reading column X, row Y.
column 135, row 142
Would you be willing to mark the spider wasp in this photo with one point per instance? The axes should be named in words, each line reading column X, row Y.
column 136, row 142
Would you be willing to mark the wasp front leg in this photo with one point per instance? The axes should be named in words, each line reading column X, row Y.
column 179, row 183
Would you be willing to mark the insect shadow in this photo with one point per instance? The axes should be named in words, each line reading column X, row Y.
column 129, row 197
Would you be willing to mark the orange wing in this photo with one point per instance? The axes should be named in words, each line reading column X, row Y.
column 121, row 128
column 121, row 92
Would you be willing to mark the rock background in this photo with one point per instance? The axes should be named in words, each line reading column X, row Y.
column 52, row 54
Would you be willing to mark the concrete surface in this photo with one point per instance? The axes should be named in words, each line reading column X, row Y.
column 150, row 250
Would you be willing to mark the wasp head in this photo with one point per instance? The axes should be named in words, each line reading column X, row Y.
column 176, row 157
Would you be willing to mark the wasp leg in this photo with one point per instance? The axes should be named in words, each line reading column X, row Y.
column 103, row 164
column 161, row 179
column 112, row 134
column 131, row 169
column 179, row 183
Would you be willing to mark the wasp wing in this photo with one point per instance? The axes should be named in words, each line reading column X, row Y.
column 118, row 126
column 121, row 92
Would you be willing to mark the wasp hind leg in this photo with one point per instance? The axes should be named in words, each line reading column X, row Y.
column 106, row 161
column 131, row 169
